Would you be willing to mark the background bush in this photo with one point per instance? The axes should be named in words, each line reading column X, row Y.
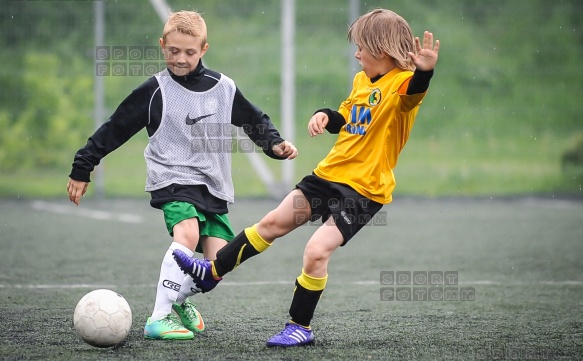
column 502, row 113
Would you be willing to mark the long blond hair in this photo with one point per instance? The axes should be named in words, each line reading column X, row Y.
column 383, row 31
column 186, row 22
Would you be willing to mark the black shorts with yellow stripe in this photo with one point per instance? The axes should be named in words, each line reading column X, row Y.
column 350, row 210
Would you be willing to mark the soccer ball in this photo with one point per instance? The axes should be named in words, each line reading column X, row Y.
column 102, row 318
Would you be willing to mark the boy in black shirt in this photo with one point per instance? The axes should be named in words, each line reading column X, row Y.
column 188, row 111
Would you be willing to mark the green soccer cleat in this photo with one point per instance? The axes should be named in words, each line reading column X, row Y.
column 189, row 315
column 167, row 328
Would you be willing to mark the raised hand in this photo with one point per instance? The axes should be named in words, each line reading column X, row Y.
column 426, row 57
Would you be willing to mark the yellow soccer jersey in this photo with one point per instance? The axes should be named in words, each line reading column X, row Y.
column 379, row 117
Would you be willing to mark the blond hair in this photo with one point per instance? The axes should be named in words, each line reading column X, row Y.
column 382, row 31
column 186, row 22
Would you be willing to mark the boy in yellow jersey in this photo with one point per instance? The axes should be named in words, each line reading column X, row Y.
column 353, row 182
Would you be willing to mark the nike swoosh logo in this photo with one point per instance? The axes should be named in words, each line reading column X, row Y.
column 191, row 121
column 200, row 324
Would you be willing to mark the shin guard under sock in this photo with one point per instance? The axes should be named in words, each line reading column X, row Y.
column 244, row 246
column 169, row 283
column 306, row 296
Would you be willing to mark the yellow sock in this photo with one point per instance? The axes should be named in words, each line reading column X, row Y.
column 245, row 245
column 307, row 293
column 295, row 323
column 255, row 239
column 215, row 275
column 312, row 283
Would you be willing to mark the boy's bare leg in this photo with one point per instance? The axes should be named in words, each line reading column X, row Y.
column 291, row 213
column 160, row 324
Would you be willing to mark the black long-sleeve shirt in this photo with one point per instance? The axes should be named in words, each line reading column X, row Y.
column 143, row 109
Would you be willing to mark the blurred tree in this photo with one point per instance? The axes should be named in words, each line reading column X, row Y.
column 55, row 115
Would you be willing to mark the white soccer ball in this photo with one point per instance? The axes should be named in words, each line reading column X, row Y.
column 102, row 318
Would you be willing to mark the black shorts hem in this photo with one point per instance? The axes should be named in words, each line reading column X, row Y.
column 350, row 210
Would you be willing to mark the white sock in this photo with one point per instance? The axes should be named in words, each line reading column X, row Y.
column 186, row 290
column 169, row 283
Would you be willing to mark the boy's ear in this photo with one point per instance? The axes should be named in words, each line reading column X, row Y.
column 161, row 42
column 204, row 49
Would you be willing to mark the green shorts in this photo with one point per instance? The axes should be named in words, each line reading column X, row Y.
column 211, row 225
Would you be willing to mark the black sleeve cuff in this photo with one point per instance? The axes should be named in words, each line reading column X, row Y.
column 419, row 82
column 269, row 150
column 80, row 175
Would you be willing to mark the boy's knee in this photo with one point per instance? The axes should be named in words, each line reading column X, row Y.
column 190, row 241
column 270, row 227
column 187, row 233
column 314, row 254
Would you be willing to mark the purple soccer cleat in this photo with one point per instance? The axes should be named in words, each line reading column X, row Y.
column 292, row 335
column 199, row 269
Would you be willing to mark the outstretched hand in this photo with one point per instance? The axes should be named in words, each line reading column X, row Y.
column 76, row 190
column 285, row 149
column 426, row 57
column 317, row 124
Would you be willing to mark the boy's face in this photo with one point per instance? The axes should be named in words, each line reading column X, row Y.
column 372, row 66
column 182, row 52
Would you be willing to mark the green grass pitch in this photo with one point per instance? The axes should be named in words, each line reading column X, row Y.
column 521, row 258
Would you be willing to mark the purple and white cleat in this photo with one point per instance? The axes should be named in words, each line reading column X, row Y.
column 199, row 269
